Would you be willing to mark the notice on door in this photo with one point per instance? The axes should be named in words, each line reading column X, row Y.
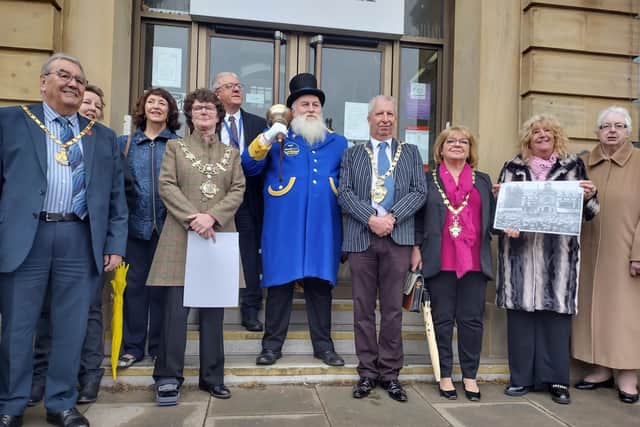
column 418, row 135
column 356, row 127
column 167, row 67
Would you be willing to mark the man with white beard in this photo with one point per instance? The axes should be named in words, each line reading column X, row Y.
column 302, row 228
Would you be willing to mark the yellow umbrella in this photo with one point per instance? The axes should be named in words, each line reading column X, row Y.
column 431, row 338
column 119, row 283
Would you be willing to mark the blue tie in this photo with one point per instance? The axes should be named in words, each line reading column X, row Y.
column 383, row 167
column 79, row 198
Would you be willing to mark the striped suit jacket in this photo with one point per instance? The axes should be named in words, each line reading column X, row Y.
column 354, row 195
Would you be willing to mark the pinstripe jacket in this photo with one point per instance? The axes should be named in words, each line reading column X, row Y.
column 354, row 195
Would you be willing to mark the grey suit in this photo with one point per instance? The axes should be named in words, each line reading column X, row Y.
column 64, row 257
column 379, row 264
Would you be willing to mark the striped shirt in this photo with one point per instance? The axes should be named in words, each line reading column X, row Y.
column 59, row 185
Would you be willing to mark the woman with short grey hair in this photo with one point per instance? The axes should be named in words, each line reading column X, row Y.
column 606, row 332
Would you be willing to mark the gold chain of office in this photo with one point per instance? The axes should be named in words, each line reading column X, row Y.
column 61, row 156
column 209, row 170
column 379, row 191
column 455, row 228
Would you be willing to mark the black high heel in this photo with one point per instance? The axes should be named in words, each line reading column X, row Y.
column 448, row 394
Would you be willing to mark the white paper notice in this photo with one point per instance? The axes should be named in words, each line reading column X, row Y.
column 418, row 91
column 167, row 67
column 212, row 271
column 419, row 137
column 356, row 126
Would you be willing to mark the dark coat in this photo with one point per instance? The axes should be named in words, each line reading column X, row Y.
column 430, row 225
column 253, row 126
column 23, row 185
column 540, row 271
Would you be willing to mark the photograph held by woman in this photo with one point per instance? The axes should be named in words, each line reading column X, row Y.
column 606, row 331
column 454, row 232
column 202, row 185
column 156, row 120
column 537, row 279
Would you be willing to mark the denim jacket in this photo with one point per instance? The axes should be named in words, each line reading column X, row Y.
column 146, row 210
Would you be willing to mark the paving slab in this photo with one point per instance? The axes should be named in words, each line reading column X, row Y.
column 491, row 392
column 267, row 400
column 595, row 408
column 147, row 415
column 378, row 409
column 148, row 395
column 313, row 420
column 522, row 414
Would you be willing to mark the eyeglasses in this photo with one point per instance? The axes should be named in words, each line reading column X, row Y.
column 232, row 86
column 616, row 126
column 457, row 141
column 66, row 77
column 204, row 108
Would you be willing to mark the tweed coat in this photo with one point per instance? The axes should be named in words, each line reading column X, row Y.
column 539, row 271
column 606, row 330
column 179, row 187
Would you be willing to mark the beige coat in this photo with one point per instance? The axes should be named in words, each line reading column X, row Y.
column 179, row 187
column 606, row 330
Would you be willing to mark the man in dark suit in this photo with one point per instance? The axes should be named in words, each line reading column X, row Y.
column 63, row 218
column 238, row 130
column 382, row 185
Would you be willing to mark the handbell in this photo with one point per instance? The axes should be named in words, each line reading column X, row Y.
column 279, row 113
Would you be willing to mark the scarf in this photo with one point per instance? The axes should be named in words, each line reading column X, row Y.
column 540, row 167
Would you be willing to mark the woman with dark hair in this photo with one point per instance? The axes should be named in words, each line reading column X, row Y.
column 202, row 185
column 156, row 121
column 537, row 280
column 454, row 232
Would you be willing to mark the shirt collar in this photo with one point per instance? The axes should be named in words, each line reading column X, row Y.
column 620, row 157
column 50, row 115
column 375, row 142
column 237, row 115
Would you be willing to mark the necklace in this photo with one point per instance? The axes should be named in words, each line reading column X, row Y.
column 209, row 170
column 455, row 228
column 379, row 191
column 61, row 156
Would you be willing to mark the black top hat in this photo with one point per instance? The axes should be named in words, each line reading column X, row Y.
column 304, row 84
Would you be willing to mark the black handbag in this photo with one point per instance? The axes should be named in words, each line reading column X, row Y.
column 414, row 292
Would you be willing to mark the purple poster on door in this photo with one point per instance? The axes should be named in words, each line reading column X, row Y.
column 418, row 100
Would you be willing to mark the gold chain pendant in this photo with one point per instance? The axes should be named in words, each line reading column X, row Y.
column 208, row 189
column 378, row 193
column 455, row 229
column 62, row 157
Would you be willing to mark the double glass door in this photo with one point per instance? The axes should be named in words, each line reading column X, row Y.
column 349, row 71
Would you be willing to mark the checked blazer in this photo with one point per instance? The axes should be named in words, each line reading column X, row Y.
column 354, row 195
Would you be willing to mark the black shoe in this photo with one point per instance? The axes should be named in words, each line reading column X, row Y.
column 37, row 392
column 268, row 357
column 560, row 394
column 627, row 398
column 473, row 396
column 88, row 393
column 330, row 357
column 587, row 385
column 10, row 420
column 219, row 391
column 363, row 387
column 251, row 323
column 69, row 418
column 448, row 394
column 516, row 390
column 395, row 390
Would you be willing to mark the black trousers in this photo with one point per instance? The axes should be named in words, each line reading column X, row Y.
column 91, row 370
column 317, row 295
column 173, row 340
column 249, row 239
column 142, row 304
column 539, row 347
column 460, row 301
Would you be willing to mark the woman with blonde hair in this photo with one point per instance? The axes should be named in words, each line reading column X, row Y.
column 538, row 273
column 454, row 232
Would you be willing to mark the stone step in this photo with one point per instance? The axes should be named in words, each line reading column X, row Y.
column 298, row 369
column 237, row 340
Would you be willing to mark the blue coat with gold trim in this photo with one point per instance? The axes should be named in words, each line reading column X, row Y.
column 302, row 228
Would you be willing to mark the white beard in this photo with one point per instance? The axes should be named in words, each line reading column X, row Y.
column 311, row 129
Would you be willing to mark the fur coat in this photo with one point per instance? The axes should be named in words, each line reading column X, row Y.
column 539, row 271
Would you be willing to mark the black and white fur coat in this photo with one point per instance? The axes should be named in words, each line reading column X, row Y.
column 539, row 271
